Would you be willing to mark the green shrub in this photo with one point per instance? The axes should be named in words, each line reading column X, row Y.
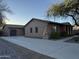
column 64, row 34
column 55, row 35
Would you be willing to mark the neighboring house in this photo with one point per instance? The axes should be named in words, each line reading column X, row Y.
column 76, row 29
column 13, row 30
column 42, row 28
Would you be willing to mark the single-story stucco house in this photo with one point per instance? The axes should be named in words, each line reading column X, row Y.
column 42, row 28
column 13, row 30
column 37, row 28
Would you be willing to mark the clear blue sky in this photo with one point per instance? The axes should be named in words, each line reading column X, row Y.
column 25, row 10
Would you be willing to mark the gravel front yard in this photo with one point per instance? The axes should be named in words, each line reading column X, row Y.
column 12, row 51
column 73, row 40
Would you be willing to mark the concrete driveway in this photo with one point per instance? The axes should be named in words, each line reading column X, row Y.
column 54, row 49
column 9, row 50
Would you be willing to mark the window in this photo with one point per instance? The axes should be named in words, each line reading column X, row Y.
column 30, row 30
column 36, row 29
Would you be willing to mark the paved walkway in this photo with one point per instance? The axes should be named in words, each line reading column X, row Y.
column 54, row 49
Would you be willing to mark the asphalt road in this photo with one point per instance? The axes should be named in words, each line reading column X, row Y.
column 12, row 51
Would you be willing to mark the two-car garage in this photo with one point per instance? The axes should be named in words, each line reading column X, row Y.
column 13, row 30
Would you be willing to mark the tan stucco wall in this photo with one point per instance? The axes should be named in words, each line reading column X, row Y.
column 42, row 29
column 6, row 31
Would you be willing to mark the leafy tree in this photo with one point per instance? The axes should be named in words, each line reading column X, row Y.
column 3, row 8
column 65, row 9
